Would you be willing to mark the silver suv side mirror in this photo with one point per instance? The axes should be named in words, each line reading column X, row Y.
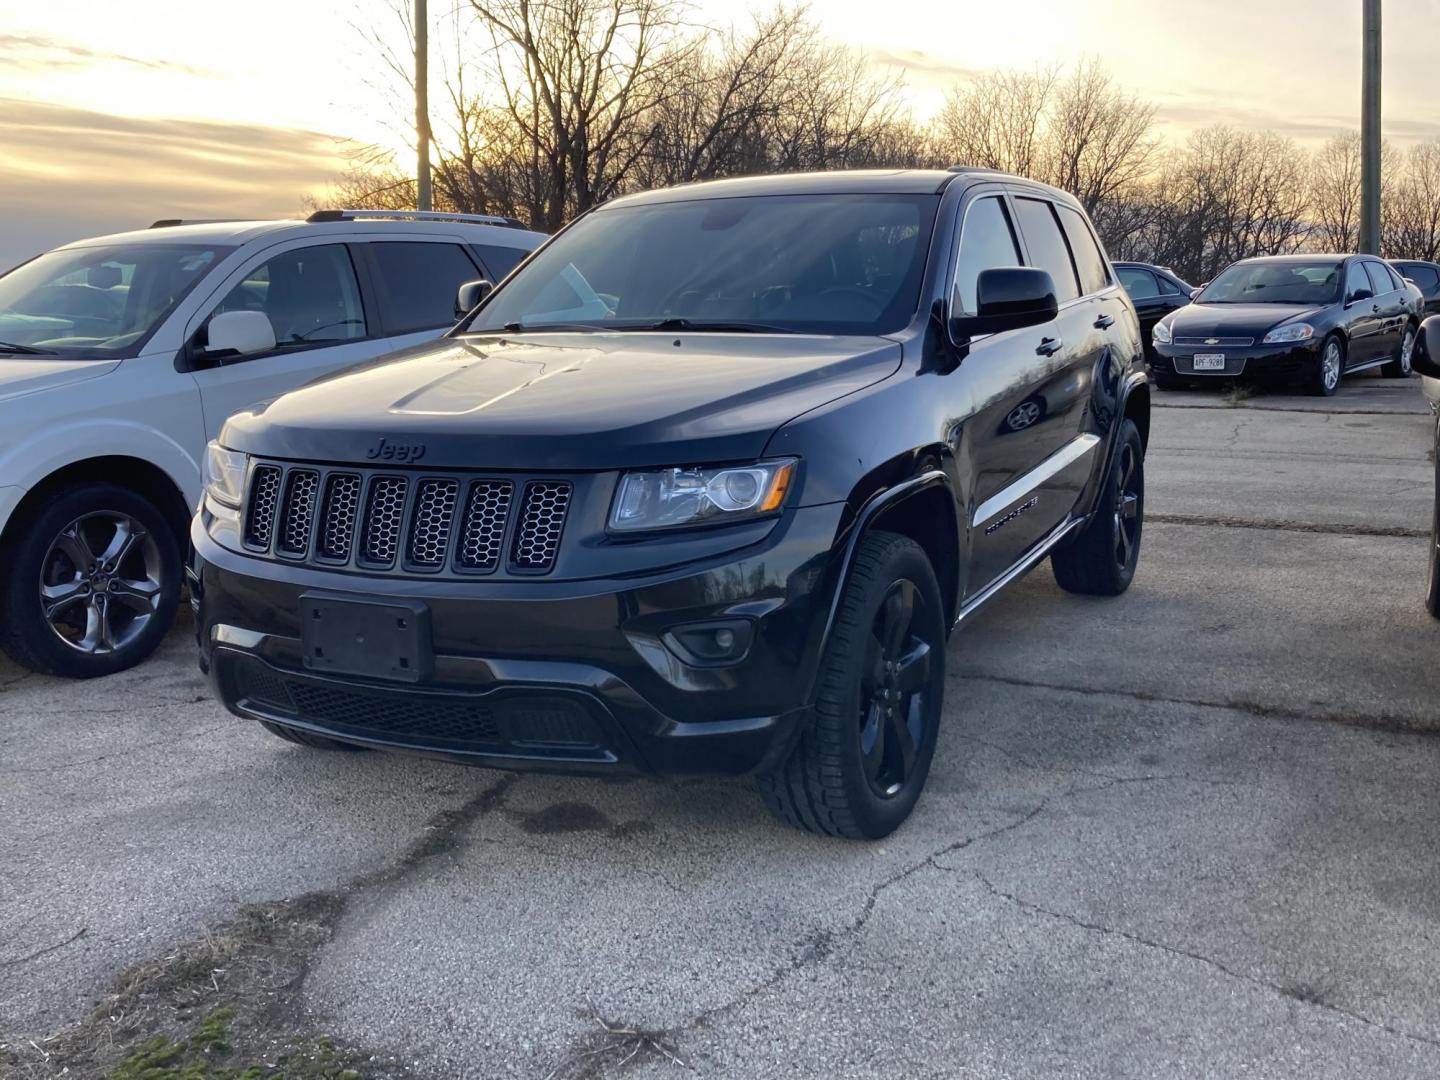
column 469, row 296
column 239, row 333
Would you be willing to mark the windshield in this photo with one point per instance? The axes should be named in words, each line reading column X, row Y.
column 829, row 264
column 97, row 301
column 1275, row 283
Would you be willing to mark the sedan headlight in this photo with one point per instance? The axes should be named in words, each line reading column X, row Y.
column 224, row 479
column 673, row 498
column 1295, row 331
column 1161, row 333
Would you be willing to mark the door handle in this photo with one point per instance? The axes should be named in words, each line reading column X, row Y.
column 1049, row 346
column 1104, row 322
column 1375, row 308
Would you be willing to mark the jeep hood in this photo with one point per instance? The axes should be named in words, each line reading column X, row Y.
column 21, row 374
column 565, row 401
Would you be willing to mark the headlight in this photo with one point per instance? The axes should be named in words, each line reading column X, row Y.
column 670, row 498
column 224, row 476
column 1161, row 333
column 1295, row 331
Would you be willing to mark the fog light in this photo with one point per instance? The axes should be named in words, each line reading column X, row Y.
column 710, row 644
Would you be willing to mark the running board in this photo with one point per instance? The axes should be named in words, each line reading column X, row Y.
column 1033, row 556
column 1369, row 364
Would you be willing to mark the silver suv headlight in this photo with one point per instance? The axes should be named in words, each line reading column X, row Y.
column 224, row 480
column 674, row 498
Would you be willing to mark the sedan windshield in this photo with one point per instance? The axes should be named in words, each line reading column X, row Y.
column 96, row 302
column 1275, row 283
column 829, row 264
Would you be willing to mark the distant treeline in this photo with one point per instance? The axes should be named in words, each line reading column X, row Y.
column 552, row 106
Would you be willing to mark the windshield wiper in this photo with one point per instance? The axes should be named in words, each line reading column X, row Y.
column 24, row 350
column 704, row 326
column 526, row 328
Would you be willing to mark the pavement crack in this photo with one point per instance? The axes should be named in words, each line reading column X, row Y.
column 46, row 950
column 1387, row 722
column 1113, row 778
column 1322, row 528
column 1186, row 954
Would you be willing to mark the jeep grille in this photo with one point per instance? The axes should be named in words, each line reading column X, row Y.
column 393, row 521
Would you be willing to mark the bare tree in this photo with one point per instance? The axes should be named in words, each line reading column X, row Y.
column 577, row 78
column 1335, row 193
column 998, row 120
column 1410, row 225
column 1098, row 140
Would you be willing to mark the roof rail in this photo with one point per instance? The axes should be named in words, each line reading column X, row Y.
column 973, row 168
column 166, row 223
column 416, row 215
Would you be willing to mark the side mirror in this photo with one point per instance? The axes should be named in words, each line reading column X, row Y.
column 1358, row 295
column 469, row 296
column 239, row 333
column 1195, row 293
column 1008, row 298
column 1426, row 357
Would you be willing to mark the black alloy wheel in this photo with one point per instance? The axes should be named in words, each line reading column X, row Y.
column 860, row 763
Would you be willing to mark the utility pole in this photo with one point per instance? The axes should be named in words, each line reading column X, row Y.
column 1370, row 133
column 422, row 106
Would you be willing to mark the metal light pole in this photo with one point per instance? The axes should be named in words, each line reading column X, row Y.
column 1370, row 133
column 422, row 106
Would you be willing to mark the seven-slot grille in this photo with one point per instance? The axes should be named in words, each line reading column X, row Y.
column 421, row 524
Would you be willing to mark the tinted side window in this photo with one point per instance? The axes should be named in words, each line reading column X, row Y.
column 499, row 261
column 1379, row 280
column 1395, row 280
column 309, row 294
column 1168, row 287
column 1093, row 274
column 418, row 282
column 1138, row 283
column 1355, row 280
column 1047, row 246
column 1425, row 277
column 986, row 242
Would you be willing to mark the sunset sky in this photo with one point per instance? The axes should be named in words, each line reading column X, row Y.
column 114, row 114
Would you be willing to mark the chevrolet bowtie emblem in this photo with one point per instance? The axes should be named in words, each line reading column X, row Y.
column 1212, row 341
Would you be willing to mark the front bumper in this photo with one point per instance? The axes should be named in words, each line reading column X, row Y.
column 567, row 675
column 1284, row 362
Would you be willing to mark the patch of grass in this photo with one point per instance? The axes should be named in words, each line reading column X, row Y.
column 219, row 1008
column 1237, row 393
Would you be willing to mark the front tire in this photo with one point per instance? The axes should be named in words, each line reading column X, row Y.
column 1101, row 560
column 1329, row 368
column 92, row 584
column 1399, row 368
column 861, row 761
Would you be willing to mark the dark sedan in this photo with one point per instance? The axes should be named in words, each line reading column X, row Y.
column 1155, row 291
column 1310, row 319
column 1425, row 275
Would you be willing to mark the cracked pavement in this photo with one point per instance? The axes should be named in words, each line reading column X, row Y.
column 1186, row 832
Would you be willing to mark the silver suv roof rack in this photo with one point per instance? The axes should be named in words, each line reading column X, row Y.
column 416, row 215
column 165, row 223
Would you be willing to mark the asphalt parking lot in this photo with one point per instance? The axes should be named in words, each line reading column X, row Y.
column 1187, row 832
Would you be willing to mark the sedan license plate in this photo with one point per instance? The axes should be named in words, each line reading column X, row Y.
column 353, row 637
column 1210, row 361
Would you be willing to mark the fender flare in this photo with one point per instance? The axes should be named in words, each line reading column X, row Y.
column 1122, row 401
column 31, row 462
column 881, row 500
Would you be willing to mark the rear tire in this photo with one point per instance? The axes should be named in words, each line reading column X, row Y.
column 92, row 583
column 863, row 756
column 1399, row 368
column 310, row 739
column 1329, row 368
column 1101, row 560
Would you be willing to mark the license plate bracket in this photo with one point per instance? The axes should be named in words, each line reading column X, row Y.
column 1209, row 361
column 391, row 640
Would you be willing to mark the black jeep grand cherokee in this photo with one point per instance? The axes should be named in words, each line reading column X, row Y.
column 703, row 486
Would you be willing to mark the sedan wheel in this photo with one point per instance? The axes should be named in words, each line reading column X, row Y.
column 1400, row 367
column 1330, row 368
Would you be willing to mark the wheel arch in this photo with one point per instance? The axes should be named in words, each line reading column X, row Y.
column 137, row 474
column 905, row 508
